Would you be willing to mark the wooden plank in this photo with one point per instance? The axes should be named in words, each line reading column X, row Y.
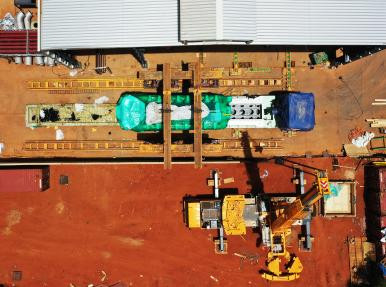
column 377, row 123
column 229, row 180
column 354, row 151
column 167, row 116
column 197, row 146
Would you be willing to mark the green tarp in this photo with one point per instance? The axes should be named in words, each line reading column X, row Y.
column 131, row 111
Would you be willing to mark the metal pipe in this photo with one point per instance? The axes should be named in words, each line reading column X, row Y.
column 215, row 179
column 301, row 181
column 308, row 233
column 19, row 25
column 27, row 21
column 20, row 20
column 221, row 237
column 18, row 60
column 39, row 60
column 27, row 60
column 50, row 62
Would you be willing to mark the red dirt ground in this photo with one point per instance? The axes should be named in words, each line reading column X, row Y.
column 127, row 221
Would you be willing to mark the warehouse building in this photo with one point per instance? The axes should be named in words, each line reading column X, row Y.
column 104, row 24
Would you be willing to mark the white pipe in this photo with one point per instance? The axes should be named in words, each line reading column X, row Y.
column 215, row 179
column 50, row 62
column 27, row 21
column 46, row 60
column 20, row 20
column 23, row 21
column 17, row 60
column 28, row 60
column 39, row 60
column 20, row 25
column 39, row 44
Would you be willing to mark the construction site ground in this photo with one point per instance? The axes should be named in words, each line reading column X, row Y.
column 127, row 221
column 343, row 99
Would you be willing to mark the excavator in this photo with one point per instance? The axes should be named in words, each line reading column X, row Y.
column 275, row 215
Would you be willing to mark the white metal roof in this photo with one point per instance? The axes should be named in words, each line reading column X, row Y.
column 83, row 24
column 218, row 20
column 321, row 22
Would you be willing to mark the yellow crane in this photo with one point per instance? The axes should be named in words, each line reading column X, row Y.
column 233, row 214
column 280, row 221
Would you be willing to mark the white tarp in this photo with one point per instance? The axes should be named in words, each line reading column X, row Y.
column 154, row 113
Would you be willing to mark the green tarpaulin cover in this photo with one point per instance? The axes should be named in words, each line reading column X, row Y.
column 131, row 111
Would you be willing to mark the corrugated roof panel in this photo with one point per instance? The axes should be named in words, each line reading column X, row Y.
column 239, row 20
column 82, row 24
column 321, row 22
column 21, row 180
column 209, row 20
column 198, row 20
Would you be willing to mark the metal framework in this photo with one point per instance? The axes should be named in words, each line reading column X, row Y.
column 86, row 83
column 167, row 116
column 197, row 118
column 289, row 72
column 215, row 147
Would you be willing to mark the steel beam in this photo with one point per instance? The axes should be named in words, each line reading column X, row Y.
column 166, row 103
column 197, row 117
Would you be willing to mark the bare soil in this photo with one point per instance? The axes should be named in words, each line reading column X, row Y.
column 126, row 220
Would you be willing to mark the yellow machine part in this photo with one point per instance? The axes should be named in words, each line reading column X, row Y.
column 194, row 218
column 285, row 219
column 274, row 266
column 323, row 184
column 283, row 252
column 295, row 266
column 285, row 278
column 292, row 270
column 232, row 215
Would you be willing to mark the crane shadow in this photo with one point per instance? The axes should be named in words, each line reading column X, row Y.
column 251, row 166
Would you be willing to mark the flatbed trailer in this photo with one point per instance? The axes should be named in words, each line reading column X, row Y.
column 145, row 112
column 70, row 115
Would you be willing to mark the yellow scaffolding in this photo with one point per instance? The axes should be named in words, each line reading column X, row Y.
column 81, row 84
